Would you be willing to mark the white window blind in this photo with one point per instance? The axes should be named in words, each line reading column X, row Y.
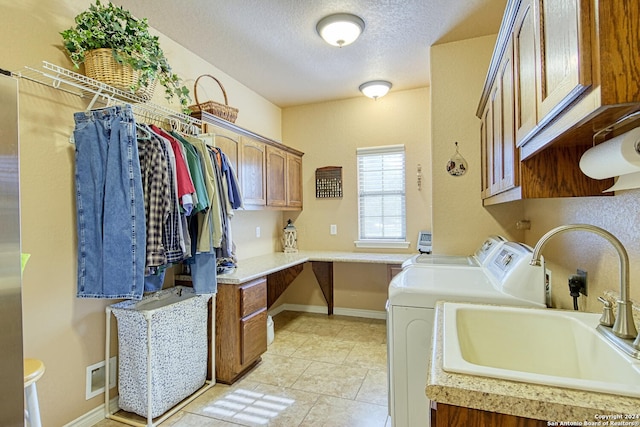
column 381, row 190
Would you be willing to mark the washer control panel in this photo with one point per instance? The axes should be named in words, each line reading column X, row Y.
column 511, row 272
column 488, row 247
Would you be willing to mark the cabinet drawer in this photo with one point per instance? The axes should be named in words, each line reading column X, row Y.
column 254, row 336
column 253, row 297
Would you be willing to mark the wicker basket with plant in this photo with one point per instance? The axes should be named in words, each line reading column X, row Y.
column 116, row 48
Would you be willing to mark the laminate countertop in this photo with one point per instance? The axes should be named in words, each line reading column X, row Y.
column 553, row 404
column 253, row 268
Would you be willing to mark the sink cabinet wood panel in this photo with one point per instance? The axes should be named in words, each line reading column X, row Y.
column 241, row 328
column 444, row 415
column 576, row 71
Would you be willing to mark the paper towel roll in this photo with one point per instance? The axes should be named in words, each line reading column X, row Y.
column 625, row 182
column 618, row 156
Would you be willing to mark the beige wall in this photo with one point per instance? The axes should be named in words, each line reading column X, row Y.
column 619, row 215
column 329, row 133
column 460, row 223
column 65, row 332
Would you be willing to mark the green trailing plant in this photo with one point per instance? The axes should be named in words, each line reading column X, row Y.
column 113, row 27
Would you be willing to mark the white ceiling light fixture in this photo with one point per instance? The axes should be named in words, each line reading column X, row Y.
column 375, row 88
column 340, row 29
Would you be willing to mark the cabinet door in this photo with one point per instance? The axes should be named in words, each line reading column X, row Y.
column 565, row 54
column 509, row 156
column 253, row 336
column 252, row 171
column 294, row 181
column 524, row 47
column 443, row 415
column 495, row 143
column 229, row 143
column 499, row 154
column 486, row 140
column 276, row 177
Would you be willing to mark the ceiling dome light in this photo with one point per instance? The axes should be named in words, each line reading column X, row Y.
column 340, row 29
column 375, row 88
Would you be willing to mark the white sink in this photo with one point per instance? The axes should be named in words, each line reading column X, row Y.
column 540, row 346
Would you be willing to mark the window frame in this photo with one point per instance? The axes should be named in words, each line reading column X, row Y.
column 382, row 242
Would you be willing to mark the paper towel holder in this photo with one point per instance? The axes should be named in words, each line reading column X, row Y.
column 618, row 156
column 613, row 126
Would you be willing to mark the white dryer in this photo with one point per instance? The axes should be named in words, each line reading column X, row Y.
column 479, row 257
column 505, row 278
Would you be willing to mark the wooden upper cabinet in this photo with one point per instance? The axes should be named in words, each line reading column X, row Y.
column 485, row 158
column 270, row 173
column 524, row 47
column 499, row 155
column 510, row 159
column 276, row 177
column 294, row 181
column 576, row 71
column 494, row 144
column 564, row 49
column 229, row 143
column 253, row 171
column 284, row 179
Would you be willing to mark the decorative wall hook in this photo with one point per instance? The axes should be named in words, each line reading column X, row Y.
column 457, row 165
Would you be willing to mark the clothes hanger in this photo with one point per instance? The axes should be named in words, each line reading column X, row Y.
column 142, row 133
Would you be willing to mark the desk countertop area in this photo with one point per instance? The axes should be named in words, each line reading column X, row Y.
column 252, row 268
column 541, row 402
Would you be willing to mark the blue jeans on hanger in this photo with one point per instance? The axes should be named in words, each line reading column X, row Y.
column 110, row 205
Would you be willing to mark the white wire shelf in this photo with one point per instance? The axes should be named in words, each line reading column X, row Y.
column 60, row 78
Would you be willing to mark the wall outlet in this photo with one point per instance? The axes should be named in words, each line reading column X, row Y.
column 333, row 229
column 583, row 275
column 257, row 231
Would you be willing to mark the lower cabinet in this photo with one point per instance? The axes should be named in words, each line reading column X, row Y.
column 241, row 328
column 443, row 415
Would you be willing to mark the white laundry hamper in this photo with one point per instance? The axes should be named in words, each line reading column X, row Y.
column 162, row 349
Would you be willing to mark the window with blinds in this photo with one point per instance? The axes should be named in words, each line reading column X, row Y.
column 381, row 193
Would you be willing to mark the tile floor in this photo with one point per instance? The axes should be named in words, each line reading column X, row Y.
column 319, row 371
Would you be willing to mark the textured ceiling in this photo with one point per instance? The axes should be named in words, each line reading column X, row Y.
column 272, row 47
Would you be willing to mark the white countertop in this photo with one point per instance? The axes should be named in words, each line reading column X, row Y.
column 253, row 268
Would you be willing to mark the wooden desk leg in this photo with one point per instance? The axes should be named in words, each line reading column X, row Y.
column 324, row 274
column 279, row 281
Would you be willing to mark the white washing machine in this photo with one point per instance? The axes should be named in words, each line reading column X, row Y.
column 505, row 278
column 486, row 249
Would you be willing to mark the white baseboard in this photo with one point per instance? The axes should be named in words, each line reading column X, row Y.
column 95, row 415
column 353, row 312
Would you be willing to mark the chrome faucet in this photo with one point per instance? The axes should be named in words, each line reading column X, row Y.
column 623, row 327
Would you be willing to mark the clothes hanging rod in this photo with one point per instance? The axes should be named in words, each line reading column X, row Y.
column 68, row 81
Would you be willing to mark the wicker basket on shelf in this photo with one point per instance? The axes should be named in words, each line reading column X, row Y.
column 224, row 111
column 101, row 65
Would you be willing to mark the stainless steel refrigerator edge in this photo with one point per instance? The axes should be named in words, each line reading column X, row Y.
column 11, row 357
